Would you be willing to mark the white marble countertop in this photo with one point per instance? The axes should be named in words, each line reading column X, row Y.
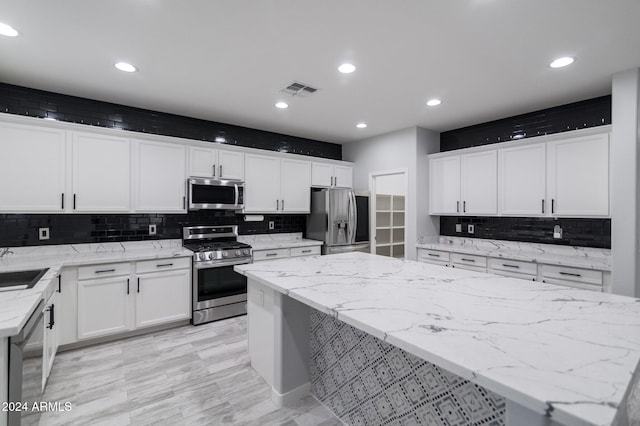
column 566, row 352
column 16, row 306
column 278, row 241
column 579, row 257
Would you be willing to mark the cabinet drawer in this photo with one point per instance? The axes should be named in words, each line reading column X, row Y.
column 516, row 266
column 270, row 254
column 469, row 267
column 578, row 275
column 528, row 277
column 433, row 256
column 104, row 270
column 305, row 251
column 159, row 265
column 469, row 259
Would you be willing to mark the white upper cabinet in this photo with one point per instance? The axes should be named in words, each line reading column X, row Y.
column 479, row 183
column 444, row 185
column 101, row 173
column 578, row 176
column 160, row 177
column 329, row 175
column 216, row 163
column 522, row 180
column 274, row 185
column 262, row 184
column 32, row 169
column 295, row 186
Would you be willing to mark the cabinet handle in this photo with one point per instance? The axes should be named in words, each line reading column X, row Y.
column 433, row 255
column 184, row 202
column 510, row 266
column 160, row 265
column 457, row 206
column 138, row 284
column 543, row 206
column 277, row 205
column 571, row 274
column 59, row 284
column 464, row 207
column 214, row 170
column 553, row 207
column 335, row 181
column 74, row 201
column 468, row 260
column 102, row 271
column 62, row 196
column 52, row 320
column 220, row 170
column 283, row 205
column 127, row 285
column 306, row 251
column 271, row 254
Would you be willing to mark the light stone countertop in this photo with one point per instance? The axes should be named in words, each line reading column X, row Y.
column 565, row 352
column 579, row 257
column 278, row 241
column 16, row 306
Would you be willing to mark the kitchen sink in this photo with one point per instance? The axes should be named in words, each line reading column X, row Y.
column 20, row 280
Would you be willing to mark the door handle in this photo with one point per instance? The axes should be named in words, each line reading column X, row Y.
column 570, row 274
column 102, row 271
column 543, row 205
column 160, row 265
column 59, row 284
column 220, row 170
column 282, row 205
column 184, row 202
column 506, row 265
column 74, row 201
column 457, row 206
column 468, row 260
column 214, row 170
column 553, row 207
column 464, row 207
column 127, row 285
column 138, row 284
column 62, row 200
column 52, row 320
column 277, row 205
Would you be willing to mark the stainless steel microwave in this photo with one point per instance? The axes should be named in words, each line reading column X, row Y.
column 215, row 194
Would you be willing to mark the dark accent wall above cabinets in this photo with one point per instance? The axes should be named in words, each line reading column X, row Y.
column 578, row 115
column 38, row 103
column 576, row 232
column 22, row 230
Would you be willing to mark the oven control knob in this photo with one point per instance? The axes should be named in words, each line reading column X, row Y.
column 238, row 252
column 225, row 254
column 246, row 251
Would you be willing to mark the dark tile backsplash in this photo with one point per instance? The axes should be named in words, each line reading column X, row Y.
column 22, row 230
column 577, row 232
column 578, row 115
column 38, row 103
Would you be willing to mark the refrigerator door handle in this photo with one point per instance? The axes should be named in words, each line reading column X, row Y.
column 353, row 217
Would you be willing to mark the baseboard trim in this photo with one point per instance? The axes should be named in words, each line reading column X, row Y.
column 291, row 397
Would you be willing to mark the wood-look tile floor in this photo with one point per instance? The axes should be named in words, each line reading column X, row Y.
column 183, row 376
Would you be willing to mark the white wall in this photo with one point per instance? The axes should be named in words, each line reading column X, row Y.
column 402, row 149
column 625, row 196
column 391, row 184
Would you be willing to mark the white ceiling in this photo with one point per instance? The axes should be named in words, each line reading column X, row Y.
column 226, row 60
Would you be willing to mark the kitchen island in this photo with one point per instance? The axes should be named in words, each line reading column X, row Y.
column 511, row 352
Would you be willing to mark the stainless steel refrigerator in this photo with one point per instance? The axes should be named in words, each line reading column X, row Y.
column 340, row 218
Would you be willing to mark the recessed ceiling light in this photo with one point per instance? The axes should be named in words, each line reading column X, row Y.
column 7, row 30
column 434, row 102
column 361, row 125
column 126, row 67
column 347, row 68
column 282, row 105
column 561, row 62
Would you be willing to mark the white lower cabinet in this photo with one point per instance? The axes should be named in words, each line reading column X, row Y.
column 67, row 312
column 436, row 257
column 588, row 279
column 50, row 340
column 513, row 268
column 469, row 262
column 281, row 253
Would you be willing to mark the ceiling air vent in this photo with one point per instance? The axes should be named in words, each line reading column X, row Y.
column 299, row 89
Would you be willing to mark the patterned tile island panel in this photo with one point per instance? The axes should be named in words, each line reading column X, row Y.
column 366, row 381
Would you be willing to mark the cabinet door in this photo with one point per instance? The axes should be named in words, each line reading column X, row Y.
column 578, row 176
column 101, row 173
column 104, row 307
column 479, row 183
column 231, row 165
column 444, row 185
column 262, row 184
column 295, row 179
column 522, row 180
column 203, row 162
column 321, row 174
column 343, row 177
column 32, row 169
column 50, row 335
column 163, row 297
column 67, row 313
column 161, row 178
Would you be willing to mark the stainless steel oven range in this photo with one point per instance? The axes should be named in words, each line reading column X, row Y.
column 218, row 291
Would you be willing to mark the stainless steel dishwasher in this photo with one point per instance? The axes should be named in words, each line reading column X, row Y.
column 25, row 370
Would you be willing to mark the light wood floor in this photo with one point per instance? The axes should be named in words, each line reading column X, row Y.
column 184, row 376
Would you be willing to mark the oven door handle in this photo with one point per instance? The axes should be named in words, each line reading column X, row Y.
column 237, row 193
column 218, row 263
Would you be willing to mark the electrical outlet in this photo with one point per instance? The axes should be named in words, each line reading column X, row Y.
column 152, row 229
column 458, row 227
column 471, row 229
column 43, row 233
column 272, row 224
